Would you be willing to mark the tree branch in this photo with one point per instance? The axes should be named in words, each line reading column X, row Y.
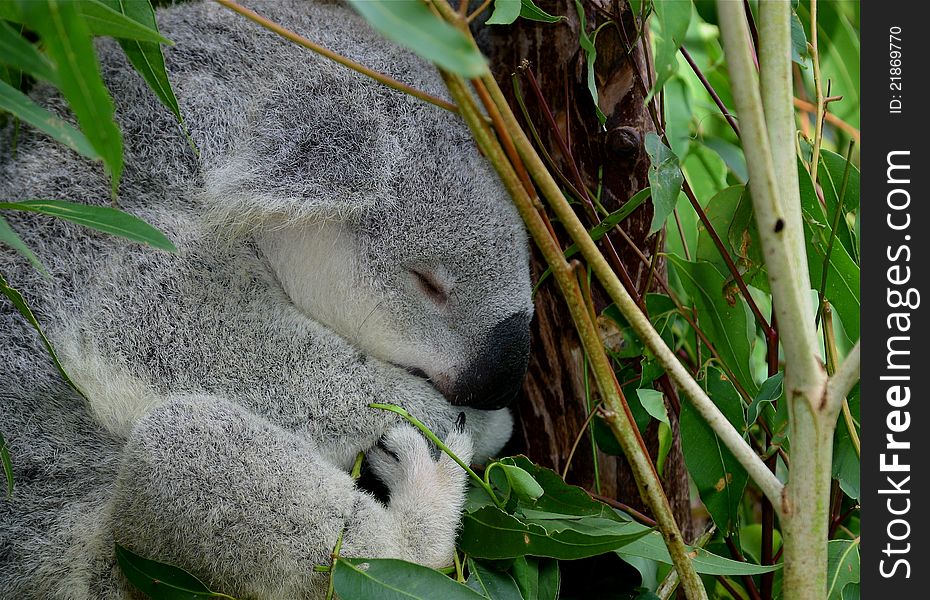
column 843, row 380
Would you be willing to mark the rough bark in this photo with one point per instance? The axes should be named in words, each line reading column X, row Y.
column 552, row 409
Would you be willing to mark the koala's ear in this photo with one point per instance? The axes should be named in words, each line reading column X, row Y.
column 320, row 148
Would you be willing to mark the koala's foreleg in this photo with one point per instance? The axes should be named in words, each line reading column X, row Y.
column 251, row 508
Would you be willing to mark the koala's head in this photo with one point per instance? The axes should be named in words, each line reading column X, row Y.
column 381, row 221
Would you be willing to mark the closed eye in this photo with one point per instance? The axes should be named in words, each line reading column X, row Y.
column 431, row 287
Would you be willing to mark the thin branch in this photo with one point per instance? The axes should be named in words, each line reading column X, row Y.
column 843, row 380
column 342, row 60
column 782, row 237
column 818, row 92
column 733, row 439
column 831, row 118
column 710, row 90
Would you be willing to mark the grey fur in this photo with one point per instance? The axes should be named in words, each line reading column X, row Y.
column 228, row 384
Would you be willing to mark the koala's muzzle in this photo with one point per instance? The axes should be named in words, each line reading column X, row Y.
column 496, row 375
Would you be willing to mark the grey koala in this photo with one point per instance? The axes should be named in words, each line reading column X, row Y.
column 339, row 244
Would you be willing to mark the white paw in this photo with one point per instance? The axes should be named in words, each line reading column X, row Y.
column 404, row 463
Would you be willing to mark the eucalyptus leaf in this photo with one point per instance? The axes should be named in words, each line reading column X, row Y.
column 16, row 51
column 718, row 476
column 69, row 44
column 673, row 19
column 505, row 12
column 537, row 578
column 413, row 25
column 665, row 180
column 146, row 56
column 587, row 44
column 722, row 314
column 521, row 482
column 654, row 403
column 651, row 546
column 492, row 533
column 103, row 18
column 12, row 239
column 769, row 392
column 490, row 583
column 7, row 466
column 531, row 12
column 843, row 566
column 158, row 580
column 392, row 579
column 101, row 218
column 23, row 107
column 20, row 304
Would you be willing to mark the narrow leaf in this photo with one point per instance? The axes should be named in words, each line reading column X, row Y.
column 16, row 51
column 112, row 21
column 101, row 218
column 652, row 547
column 12, row 239
column 147, row 57
column 158, row 580
column 391, row 579
column 492, row 584
column 521, row 482
column 505, row 12
column 587, row 44
column 654, row 403
column 719, row 477
column 843, row 566
column 413, row 25
column 69, row 44
column 7, row 466
column 673, row 19
column 17, row 299
column 531, row 12
column 665, row 180
column 770, row 391
column 22, row 107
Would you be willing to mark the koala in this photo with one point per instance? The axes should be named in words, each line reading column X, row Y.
column 339, row 244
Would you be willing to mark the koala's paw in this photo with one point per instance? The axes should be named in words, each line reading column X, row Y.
column 426, row 494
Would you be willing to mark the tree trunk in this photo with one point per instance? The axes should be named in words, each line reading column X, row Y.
column 552, row 410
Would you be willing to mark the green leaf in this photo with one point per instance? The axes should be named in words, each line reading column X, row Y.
column 846, row 462
column 12, row 239
column 843, row 566
column 69, row 44
column 101, row 218
column 16, row 51
column 7, row 466
column 22, row 107
column 103, row 18
column 537, row 578
column 654, row 403
column 531, row 12
column 521, row 482
column 391, row 579
column 665, row 180
column 147, row 57
column 722, row 314
column 673, row 19
column 833, row 169
column 842, row 289
column 800, row 52
column 718, row 476
column 505, row 12
column 770, row 391
column 413, row 25
column 587, row 43
column 492, row 584
column 491, row 533
column 20, row 303
column 160, row 581
column 652, row 547
column 604, row 227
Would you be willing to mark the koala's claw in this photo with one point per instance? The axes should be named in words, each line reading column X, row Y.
column 402, row 460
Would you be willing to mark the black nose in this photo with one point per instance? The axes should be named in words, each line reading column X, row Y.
column 495, row 377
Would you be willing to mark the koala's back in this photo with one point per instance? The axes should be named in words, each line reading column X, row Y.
column 53, row 534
